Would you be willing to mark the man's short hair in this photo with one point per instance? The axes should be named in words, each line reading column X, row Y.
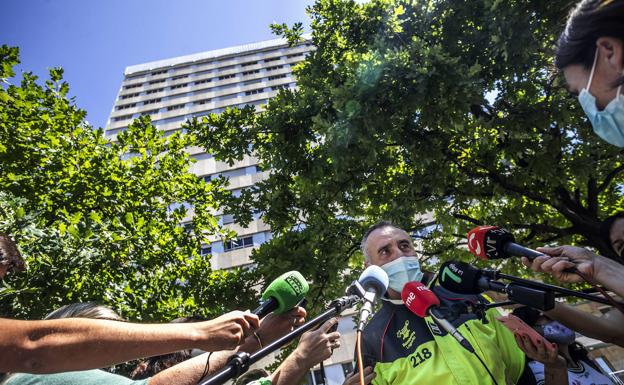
column 378, row 225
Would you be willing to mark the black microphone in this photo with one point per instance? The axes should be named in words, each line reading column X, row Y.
column 374, row 282
column 460, row 277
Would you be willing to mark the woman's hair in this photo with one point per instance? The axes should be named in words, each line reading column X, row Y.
column 588, row 21
column 84, row 310
column 605, row 228
column 153, row 365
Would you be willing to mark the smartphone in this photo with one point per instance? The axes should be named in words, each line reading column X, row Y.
column 517, row 326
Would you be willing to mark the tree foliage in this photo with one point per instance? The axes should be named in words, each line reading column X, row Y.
column 101, row 221
column 448, row 110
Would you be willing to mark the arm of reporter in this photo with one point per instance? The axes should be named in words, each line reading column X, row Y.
column 190, row 372
column 598, row 268
column 314, row 347
column 78, row 343
column 607, row 328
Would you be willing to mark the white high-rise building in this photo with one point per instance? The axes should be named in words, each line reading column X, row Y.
column 174, row 90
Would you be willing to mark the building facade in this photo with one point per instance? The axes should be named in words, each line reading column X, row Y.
column 173, row 90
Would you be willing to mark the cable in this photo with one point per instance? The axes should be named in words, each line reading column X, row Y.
column 358, row 346
column 206, row 368
column 601, row 290
column 486, row 368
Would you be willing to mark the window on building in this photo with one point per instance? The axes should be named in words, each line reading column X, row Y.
column 295, row 55
column 150, row 112
column 155, row 90
column 254, row 92
column 235, row 244
column 202, row 81
column 347, row 368
column 205, row 250
column 230, row 76
column 318, row 378
column 175, row 107
column 280, row 87
column 178, row 86
column 179, row 77
column 159, row 72
column 157, row 81
column 274, row 77
column 126, row 106
column 203, row 101
column 274, row 68
column 227, row 219
column 249, row 63
column 267, row 60
column 152, row 101
column 128, row 96
column 129, row 86
column 245, row 73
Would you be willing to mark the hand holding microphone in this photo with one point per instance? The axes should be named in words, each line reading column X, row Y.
column 562, row 262
column 279, row 311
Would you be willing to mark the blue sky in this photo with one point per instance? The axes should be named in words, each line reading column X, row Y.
column 95, row 40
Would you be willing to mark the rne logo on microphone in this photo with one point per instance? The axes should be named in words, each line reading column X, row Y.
column 409, row 299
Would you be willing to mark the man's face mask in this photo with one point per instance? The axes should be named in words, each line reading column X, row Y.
column 401, row 271
column 555, row 332
column 608, row 123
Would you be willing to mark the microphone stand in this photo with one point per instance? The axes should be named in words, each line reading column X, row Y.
column 240, row 362
column 495, row 274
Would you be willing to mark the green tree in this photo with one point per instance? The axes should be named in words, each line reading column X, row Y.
column 99, row 220
column 408, row 108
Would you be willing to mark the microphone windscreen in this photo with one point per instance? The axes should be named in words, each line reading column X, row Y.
column 418, row 298
column 476, row 240
column 487, row 242
column 287, row 289
column 376, row 278
column 459, row 277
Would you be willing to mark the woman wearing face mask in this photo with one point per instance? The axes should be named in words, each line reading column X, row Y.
column 548, row 365
column 590, row 54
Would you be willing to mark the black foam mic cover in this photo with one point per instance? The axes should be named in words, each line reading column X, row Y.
column 459, row 277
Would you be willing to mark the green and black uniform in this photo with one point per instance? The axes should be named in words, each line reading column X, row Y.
column 405, row 349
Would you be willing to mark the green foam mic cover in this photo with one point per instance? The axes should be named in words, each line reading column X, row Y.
column 287, row 289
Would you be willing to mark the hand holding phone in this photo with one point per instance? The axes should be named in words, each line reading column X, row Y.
column 519, row 327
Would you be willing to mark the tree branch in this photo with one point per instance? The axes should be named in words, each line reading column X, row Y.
column 609, row 178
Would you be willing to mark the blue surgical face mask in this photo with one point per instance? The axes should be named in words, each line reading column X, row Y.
column 608, row 123
column 555, row 332
column 401, row 271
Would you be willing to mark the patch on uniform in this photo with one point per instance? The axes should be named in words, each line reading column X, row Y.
column 406, row 335
column 435, row 329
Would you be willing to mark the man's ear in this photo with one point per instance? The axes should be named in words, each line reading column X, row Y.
column 610, row 49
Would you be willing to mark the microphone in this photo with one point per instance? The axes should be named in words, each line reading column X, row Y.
column 491, row 242
column 422, row 301
column 284, row 293
column 374, row 281
column 460, row 277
